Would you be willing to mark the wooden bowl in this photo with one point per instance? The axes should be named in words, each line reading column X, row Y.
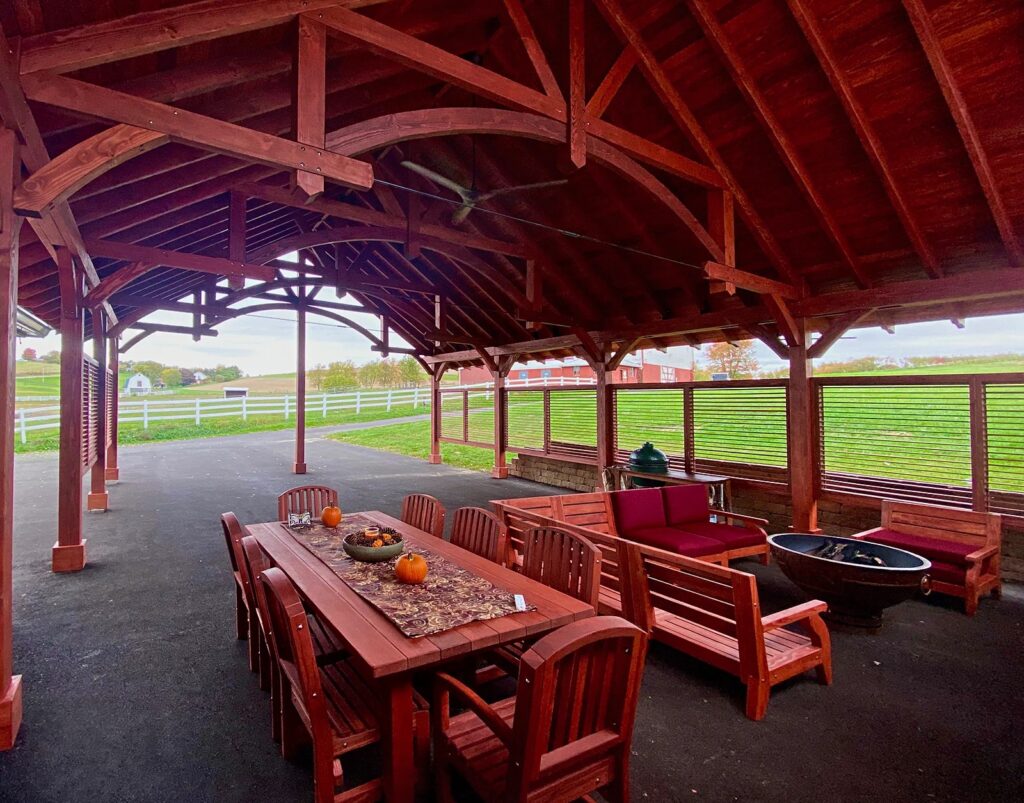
column 370, row 554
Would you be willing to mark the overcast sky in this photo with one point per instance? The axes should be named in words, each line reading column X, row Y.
column 265, row 343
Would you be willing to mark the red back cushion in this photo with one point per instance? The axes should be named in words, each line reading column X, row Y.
column 638, row 509
column 686, row 503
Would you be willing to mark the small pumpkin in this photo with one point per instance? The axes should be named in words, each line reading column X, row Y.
column 331, row 516
column 411, row 568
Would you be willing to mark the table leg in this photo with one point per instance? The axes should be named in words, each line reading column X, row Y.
column 397, row 740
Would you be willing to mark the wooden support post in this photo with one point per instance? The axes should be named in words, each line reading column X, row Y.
column 300, row 397
column 435, row 413
column 236, row 236
column 500, row 470
column 605, row 424
column 577, row 131
column 69, row 551
column 802, row 423
column 98, row 498
column 111, row 471
column 10, row 226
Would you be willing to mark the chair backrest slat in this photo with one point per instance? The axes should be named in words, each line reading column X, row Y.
column 577, row 695
column 310, row 499
column 942, row 523
column 564, row 561
column 424, row 512
column 234, row 532
column 480, row 532
column 256, row 562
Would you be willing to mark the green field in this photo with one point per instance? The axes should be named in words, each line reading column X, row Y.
column 413, row 439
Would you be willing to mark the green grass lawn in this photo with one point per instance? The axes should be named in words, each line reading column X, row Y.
column 413, row 439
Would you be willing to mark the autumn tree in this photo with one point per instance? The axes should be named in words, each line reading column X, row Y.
column 28, row 354
column 171, row 377
column 738, row 361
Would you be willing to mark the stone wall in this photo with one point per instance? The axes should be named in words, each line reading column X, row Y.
column 838, row 518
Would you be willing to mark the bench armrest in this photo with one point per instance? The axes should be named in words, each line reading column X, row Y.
column 805, row 610
column 751, row 521
column 445, row 683
column 980, row 554
column 867, row 533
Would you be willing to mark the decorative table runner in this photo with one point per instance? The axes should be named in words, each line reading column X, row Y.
column 450, row 596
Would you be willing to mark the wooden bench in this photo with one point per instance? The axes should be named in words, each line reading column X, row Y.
column 962, row 545
column 595, row 513
column 769, row 653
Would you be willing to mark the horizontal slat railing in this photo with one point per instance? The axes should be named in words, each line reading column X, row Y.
column 954, row 440
column 467, row 416
column 556, row 422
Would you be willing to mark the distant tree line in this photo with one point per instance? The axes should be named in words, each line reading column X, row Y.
column 174, row 376
column 344, row 375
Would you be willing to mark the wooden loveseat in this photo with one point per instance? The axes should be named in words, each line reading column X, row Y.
column 962, row 545
column 675, row 518
column 707, row 611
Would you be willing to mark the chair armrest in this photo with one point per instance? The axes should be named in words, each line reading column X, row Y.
column 445, row 683
column 751, row 521
column 866, row 533
column 805, row 610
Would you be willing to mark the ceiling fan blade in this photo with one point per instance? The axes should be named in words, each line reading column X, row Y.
column 437, row 178
column 461, row 213
column 519, row 187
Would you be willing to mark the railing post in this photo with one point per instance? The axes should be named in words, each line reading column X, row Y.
column 145, row 413
column 800, row 423
column 323, row 406
column 285, row 406
column 547, row 420
column 199, row 415
column 358, row 401
column 979, row 445
column 389, row 401
column 689, row 458
column 435, row 414
column 465, row 415
column 500, row 470
column 98, row 499
column 111, row 472
column 299, row 467
column 245, row 408
column 21, row 426
column 605, row 423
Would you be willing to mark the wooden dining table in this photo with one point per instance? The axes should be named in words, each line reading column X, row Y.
column 388, row 657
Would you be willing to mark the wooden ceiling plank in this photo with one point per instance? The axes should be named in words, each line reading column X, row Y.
column 687, row 122
column 929, row 39
column 70, row 49
column 715, row 36
column 195, row 129
column 521, row 22
column 865, row 132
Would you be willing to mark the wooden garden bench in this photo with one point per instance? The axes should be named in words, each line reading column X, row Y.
column 962, row 545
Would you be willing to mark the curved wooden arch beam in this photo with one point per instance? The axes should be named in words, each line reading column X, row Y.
column 389, row 234
column 391, row 129
column 63, row 176
column 286, row 307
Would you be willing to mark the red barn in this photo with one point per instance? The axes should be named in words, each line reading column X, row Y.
column 644, row 366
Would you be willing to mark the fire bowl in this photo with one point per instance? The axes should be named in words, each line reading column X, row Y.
column 858, row 579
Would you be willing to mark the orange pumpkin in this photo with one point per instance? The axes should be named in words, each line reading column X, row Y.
column 331, row 516
column 411, row 568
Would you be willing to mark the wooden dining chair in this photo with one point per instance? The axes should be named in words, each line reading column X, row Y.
column 310, row 499
column 480, row 532
column 333, row 706
column 425, row 513
column 327, row 647
column 561, row 560
column 245, row 606
column 565, row 561
column 565, row 734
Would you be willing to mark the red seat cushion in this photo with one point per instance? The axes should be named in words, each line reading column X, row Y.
column 731, row 536
column 672, row 539
column 934, row 549
column 638, row 509
column 947, row 573
column 685, row 503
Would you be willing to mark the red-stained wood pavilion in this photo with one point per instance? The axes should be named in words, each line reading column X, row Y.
column 775, row 169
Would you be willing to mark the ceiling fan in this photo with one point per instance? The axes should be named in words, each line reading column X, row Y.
column 470, row 196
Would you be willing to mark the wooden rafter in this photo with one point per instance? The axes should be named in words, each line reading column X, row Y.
column 865, row 132
column 932, row 47
column 687, row 121
column 577, row 126
column 310, row 96
column 749, row 281
column 195, row 129
column 521, row 22
column 116, row 281
column 836, row 329
column 717, row 39
column 784, row 319
column 177, row 259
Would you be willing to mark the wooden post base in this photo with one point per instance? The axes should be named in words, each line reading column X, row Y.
column 97, row 502
column 434, row 459
column 112, row 474
column 69, row 558
column 299, row 468
column 499, row 473
column 10, row 714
